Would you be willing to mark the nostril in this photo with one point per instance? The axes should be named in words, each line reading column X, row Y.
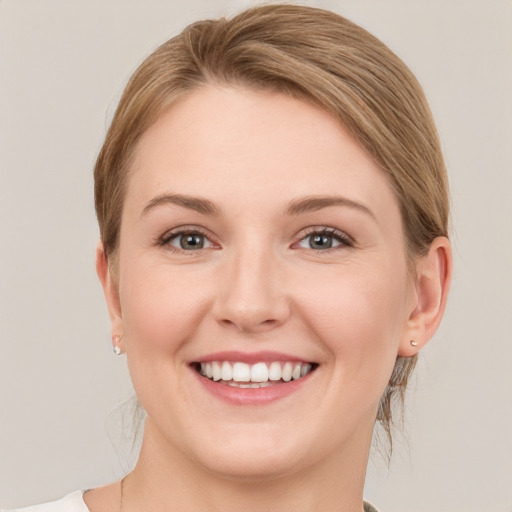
column 269, row 323
column 249, row 325
column 251, row 302
column 254, row 326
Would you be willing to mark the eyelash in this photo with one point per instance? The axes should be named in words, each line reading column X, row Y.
column 344, row 239
column 166, row 239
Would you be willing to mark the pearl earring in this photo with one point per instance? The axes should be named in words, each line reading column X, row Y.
column 117, row 350
column 414, row 343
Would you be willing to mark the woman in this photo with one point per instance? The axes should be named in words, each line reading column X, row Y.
column 273, row 209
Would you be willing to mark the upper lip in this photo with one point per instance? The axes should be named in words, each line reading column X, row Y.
column 249, row 357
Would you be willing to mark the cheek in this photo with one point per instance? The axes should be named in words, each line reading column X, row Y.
column 359, row 315
column 160, row 307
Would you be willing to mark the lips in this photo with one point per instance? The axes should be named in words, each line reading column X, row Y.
column 240, row 378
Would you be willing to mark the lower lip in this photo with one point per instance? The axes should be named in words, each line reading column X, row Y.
column 251, row 396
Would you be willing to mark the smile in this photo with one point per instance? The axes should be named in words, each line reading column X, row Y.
column 258, row 375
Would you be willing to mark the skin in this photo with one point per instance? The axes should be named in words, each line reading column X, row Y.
column 258, row 285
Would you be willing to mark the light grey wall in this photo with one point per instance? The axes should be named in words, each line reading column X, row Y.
column 62, row 67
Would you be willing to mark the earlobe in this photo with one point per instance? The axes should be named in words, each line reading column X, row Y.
column 111, row 292
column 433, row 277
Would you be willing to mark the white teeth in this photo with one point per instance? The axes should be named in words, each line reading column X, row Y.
column 258, row 375
column 216, row 371
column 286, row 372
column 274, row 371
column 234, row 384
column 226, row 371
column 259, row 372
column 241, row 372
column 305, row 369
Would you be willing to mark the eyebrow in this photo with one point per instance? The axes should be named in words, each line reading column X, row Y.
column 314, row 203
column 193, row 203
column 295, row 207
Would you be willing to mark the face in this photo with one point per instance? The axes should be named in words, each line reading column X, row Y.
column 263, row 290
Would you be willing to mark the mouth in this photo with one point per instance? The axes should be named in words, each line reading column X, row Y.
column 261, row 374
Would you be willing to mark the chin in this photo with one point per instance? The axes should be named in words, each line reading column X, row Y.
column 258, row 452
column 251, row 465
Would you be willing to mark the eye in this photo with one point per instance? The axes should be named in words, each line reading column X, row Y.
column 186, row 240
column 190, row 241
column 324, row 239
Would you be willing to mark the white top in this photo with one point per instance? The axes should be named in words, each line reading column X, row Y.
column 74, row 502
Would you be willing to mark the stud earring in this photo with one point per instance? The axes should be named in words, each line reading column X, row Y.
column 117, row 350
column 414, row 343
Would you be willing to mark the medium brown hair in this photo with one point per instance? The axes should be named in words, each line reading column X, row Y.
column 314, row 55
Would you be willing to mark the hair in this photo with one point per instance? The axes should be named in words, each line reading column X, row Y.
column 310, row 54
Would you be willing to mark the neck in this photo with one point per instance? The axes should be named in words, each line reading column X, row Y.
column 168, row 478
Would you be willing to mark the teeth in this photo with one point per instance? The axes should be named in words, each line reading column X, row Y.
column 226, row 371
column 216, row 371
column 274, row 371
column 258, row 375
column 287, row 372
column 259, row 372
column 241, row 372
column 234, row 384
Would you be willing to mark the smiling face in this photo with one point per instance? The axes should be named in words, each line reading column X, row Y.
column 256, row 230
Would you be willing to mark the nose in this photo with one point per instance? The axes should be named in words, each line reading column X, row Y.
column 251, row 296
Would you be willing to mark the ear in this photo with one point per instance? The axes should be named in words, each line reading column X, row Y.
column 111, row 291
column 433, row 277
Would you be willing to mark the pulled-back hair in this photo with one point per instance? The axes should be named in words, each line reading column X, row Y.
column 314, row 55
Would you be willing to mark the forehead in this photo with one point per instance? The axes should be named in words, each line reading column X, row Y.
column 226, row 143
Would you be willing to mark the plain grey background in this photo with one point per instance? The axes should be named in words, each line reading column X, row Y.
column 63, row 65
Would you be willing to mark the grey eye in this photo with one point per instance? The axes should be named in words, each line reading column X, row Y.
column 190, row 241
column 322, row 241
column 319, row 241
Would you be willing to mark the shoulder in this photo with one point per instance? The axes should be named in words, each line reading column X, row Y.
column 73, row 502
